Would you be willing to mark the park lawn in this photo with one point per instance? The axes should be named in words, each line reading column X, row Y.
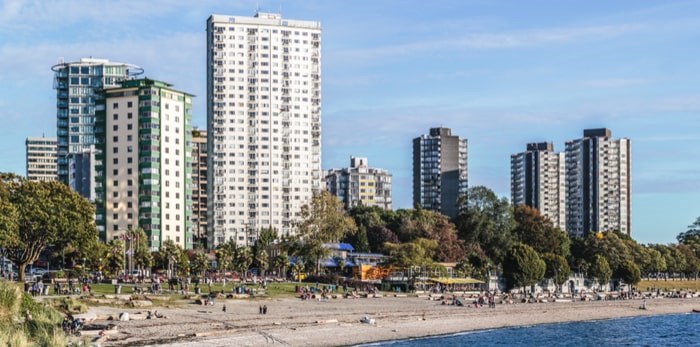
column 693, row 285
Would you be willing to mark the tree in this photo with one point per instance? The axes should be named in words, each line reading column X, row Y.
column 629, row 273
column 538, row 232
column 522, row 266
column 199, row 263
column 656, row 264
column 322, row 221
column 114, row 258
column 280, row 262
column 419, row 252
column 378, row 236
column 224, row 255
column 172, row 255
column 557, row 269
column 242, row 259
column 487, row 220
column 600, row 270
column 38, row 214
column 137, row 239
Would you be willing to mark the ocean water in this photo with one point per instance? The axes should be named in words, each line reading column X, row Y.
column 665, row 330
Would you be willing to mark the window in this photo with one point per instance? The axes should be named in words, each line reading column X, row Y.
column 115, row 150
column 129, row 171
column 115, row 105
column 130, row 149
column 129, row 104
column 115, row 194
column 115, row 139
column 115, row 172
column 129, row 183
column 115, row 205
column 129, row 160
column 129, row 126
column 129, row 204
column 115, row 161
column 115, row 127
column 115, row 227
column 129, row 216
column 115, row 216
column 115, row 184
column 129, row 138
column 129, row 115
column 115, row 116
column 130, row 193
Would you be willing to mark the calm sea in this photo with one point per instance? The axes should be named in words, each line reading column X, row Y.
column 667, row 330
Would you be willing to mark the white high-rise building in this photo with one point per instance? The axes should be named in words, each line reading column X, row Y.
column 263, row 123
column 598, row 183
column 41, row 158
column 537, row 180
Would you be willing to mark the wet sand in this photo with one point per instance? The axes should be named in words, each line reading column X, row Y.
column 292, row 322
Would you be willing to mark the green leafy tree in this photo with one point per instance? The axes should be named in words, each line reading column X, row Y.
column 522, row 267
column 224, row 255
column 692, row 264
column 656, row 264
column 242, row 259
column 629, row 273
column 557, row 268
column 38, row 214
column 322, row 221
column 138, row 241
column 281, row 262
column 538, row 232
column 486, row 220
column 114, row 258
column 419, row 252
column 199, row 263
column 600, row 270
column 172, row 255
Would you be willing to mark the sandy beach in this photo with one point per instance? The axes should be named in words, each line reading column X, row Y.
column 292, row 322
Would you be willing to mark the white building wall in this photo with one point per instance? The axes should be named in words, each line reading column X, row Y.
column 264, row 85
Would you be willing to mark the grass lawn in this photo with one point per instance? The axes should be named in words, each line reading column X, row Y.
column 669, row 285
column 274, row 290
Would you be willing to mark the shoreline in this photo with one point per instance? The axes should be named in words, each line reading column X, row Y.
column 292, row 322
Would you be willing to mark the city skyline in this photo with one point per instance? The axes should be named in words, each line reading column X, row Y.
column 502, row 75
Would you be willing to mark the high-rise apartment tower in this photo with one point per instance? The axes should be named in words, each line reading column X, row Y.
column 263, row 123
column 144, row 162
column 439, row 171
column 360, row 184
column 199, row 185
column 537, row 180
column 78, row 85
column 41, row 158
column 598, row 183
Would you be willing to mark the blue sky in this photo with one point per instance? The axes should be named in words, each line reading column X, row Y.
column 501, row 73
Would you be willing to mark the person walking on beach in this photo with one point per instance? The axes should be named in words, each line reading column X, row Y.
column 264, row 310
column 260, row 309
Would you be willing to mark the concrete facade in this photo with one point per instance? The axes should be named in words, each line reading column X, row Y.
column 144, row 162
column 41, row 158
column 360, row 184
column 598, row 181
column 537, row 179
column 263, row 123
column 439, row 171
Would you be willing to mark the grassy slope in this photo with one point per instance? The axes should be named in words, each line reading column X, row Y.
column 44, row 328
